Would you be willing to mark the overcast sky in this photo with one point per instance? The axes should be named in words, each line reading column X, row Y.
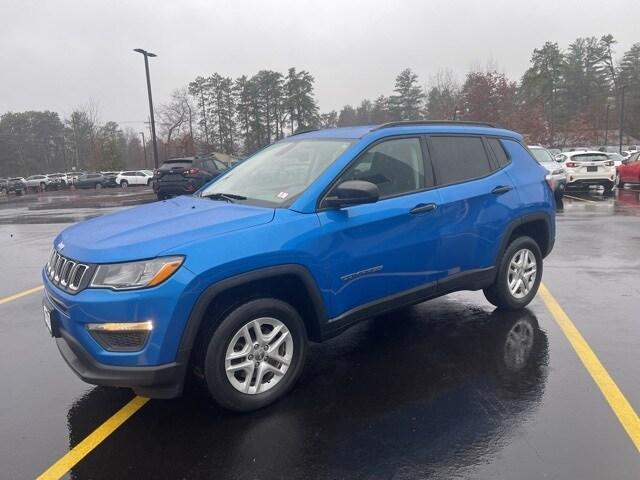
column 60, row 54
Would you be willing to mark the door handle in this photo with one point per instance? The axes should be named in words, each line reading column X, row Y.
column 501, row 189
column 423, row 207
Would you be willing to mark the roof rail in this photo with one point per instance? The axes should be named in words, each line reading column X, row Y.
column 300, row 132
column 433, row 122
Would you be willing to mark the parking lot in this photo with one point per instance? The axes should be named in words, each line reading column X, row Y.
column 434, row 391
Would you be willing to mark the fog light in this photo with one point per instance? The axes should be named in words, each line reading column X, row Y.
column 121, row 337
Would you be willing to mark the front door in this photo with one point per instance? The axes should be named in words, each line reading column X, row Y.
column 375, row 251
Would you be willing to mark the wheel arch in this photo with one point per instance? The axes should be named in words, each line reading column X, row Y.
column 291, row 283
column 534, row 225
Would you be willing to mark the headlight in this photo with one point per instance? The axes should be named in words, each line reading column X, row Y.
column 127, row 276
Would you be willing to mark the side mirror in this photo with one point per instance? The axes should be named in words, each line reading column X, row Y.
column 352, row 192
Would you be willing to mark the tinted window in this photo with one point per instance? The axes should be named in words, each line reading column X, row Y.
column 499, row 153
column 459, row 158
column 589, row 157
column 395, row 166
column 173, row 164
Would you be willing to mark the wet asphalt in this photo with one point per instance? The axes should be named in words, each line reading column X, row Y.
column 439, row 390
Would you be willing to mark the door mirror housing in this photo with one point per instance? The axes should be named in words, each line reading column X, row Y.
column 352, row 192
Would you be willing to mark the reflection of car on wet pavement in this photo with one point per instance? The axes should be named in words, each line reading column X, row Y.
column 435, row 385
column 586, row 168
column 556, row 171
column 237, row 274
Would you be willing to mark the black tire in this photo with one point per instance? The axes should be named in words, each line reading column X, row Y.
column 608, row 186
column 219, row 386
column 499, row 293
column 98, row 186
column 619, row 182
column 124, row 184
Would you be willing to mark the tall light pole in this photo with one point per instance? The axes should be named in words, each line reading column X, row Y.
column 153, row 121
column 621, row 115
column 144, row 148
column 606, row 128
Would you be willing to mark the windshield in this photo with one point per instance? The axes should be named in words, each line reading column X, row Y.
column 280, row 172
column 542, row 155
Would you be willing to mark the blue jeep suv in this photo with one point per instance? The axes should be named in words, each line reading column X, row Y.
column 303, row 239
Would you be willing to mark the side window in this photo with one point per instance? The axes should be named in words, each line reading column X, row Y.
column 395, row 166
column 498, row 151
column 459, row 158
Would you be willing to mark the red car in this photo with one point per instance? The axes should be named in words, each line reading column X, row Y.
column 629, row 171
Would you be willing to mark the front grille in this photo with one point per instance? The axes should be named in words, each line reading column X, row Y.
column 65, row 273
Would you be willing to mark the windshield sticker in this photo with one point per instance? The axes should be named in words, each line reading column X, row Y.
column 282, row 195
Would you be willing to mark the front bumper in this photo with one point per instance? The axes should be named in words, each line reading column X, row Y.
column 162, row 381
column 155, row 370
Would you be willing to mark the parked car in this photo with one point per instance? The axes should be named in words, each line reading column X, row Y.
column 38, row 183
column 72, row 177
column 302, row 240
column 17, row 185
column 588, row 168
column 91, row 180
column 180, row 176
column 4, row 185
column 111, row 178
column 132, row 178
column 629, row 171
column 58, row 180
column 557, row 174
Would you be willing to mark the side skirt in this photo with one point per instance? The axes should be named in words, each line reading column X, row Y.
column 470, row 280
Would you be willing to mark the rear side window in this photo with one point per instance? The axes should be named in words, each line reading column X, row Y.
column 459, row 158
column 498, row 151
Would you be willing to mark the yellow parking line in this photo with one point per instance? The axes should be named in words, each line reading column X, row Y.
column 82, row 449
column 614, row 396
column 581, row 199
column 18, row 295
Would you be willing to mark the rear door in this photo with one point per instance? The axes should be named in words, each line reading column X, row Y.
column 477, row 199
column 378, row 250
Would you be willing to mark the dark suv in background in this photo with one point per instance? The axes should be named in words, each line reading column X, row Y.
column 180, row 176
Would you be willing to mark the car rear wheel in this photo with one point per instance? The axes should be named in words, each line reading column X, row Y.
column 98, row 186
column 124, row 184
column 518, row 277
column 619, row 182
column 255, row 355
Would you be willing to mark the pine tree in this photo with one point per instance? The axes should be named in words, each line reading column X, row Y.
column 407, row 102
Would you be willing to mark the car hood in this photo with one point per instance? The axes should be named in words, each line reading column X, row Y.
column 149, row 230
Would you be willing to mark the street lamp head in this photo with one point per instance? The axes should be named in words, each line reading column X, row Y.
column 144, row 52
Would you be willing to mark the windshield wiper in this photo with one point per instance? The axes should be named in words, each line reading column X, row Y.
column 229, row 197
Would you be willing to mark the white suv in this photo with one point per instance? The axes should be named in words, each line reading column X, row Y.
column 588, row 168
column 138, row 177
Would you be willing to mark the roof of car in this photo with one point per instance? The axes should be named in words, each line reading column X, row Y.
column 357, row 132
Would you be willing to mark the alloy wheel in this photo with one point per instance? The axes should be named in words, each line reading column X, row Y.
column 258, row 355
column 522, row 273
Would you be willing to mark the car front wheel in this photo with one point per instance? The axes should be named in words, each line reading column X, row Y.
column 518, row 277
column 255, row 355
column 124, row 184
